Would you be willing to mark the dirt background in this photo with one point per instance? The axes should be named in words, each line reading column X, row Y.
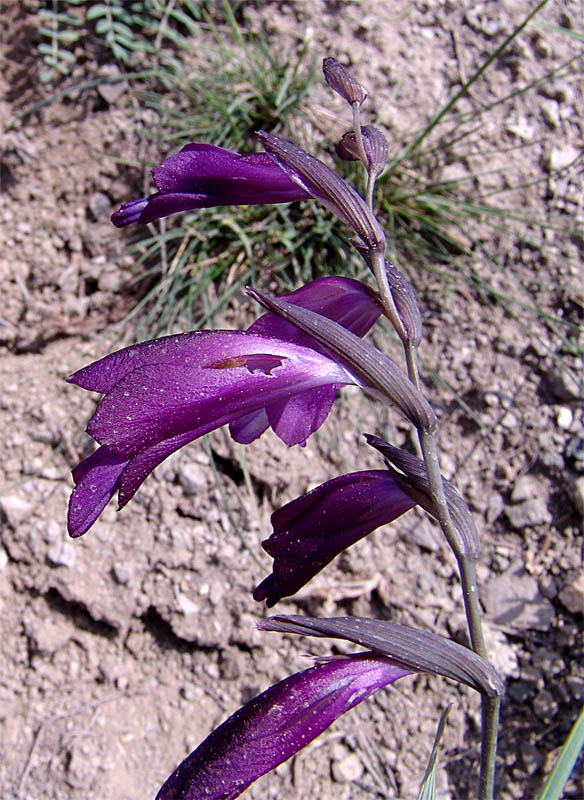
column 120, row 651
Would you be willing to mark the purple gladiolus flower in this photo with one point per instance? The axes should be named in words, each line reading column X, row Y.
column 163, row 394
column 277, row 724
column 310, row 531
column 160, row 395
column 203, row 175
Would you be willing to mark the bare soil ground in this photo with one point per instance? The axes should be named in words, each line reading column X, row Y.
column 120, row 651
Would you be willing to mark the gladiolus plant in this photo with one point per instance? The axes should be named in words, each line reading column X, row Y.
column 284, row 372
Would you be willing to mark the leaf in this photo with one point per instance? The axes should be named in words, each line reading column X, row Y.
column 554, row 786
column 428, row 787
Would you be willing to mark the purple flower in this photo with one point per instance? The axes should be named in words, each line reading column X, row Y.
column 277, row 724
column 163, row 394
column 313, row 529
column 203, row 175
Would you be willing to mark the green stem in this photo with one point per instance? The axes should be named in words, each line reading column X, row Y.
column 490, row 727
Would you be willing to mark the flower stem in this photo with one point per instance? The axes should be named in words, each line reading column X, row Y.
column 490, row 726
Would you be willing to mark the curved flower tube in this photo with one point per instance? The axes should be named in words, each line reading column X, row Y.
column 310, row 531
column 202, row 176
column 277, row 724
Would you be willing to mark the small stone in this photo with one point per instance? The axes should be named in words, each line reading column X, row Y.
column 99, row 206
column 61, row 554
column 519, row 691
column 576, row 687
column 563, row 384
column 513, row 600
column 348, row 769
column 564, row 418
column 510, row 420
column 111, row 91
column 531, row 758
column 548, row 586
column 502, row 655
column 3, row 558
column 545, row 706
column 192, row 478
column 575, row 452
column 495, row 507
column 121, row 574
column 572, row 597
column 526, row 488
column 16, row 508
column 528, row 514
column 548, row 661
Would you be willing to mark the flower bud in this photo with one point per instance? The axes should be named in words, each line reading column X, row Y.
column 340, row 79
column 374, row 144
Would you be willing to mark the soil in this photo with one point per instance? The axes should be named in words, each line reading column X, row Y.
column 121, row 650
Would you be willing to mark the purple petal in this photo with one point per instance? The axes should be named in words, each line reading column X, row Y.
column 275, row 725
column 250, row 427
column 97, row 480
column 129, row 212
column 313, row 529
column 344, row 300
column 296, row 418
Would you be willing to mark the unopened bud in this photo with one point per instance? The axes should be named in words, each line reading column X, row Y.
column 374, row 144
column 340, row 79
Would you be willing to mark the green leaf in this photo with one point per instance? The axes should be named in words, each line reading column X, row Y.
column 554, row 786
column 428, row 787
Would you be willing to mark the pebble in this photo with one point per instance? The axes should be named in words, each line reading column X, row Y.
column 348, row 769
column 563, row 384
column 3, row 558
column 121, row 574
column 564, row 418
column 100, row 206
column 575, row 452
column 572, row 597
column 545, row 706
column 192, row 478
column 531, row 758
column 513, row 600
column 61, row 554
column 576, row 491
column 528, row 514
